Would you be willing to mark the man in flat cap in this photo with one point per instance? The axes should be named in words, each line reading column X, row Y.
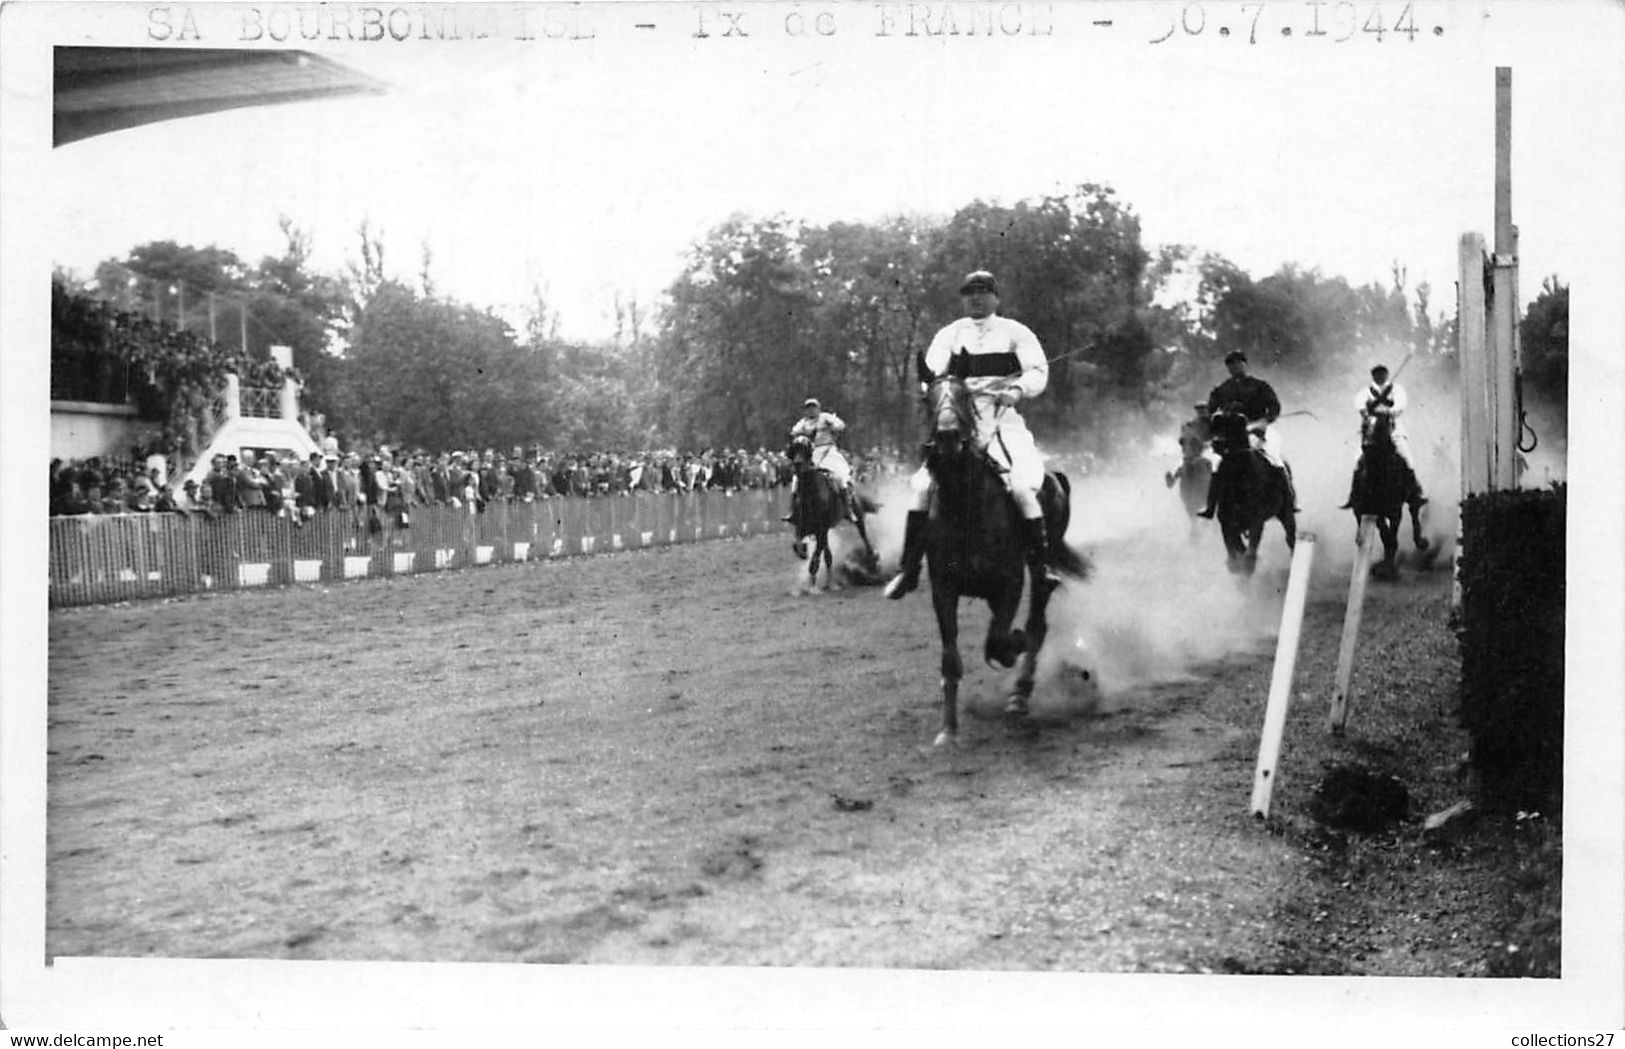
column 823, row 429
column 1255, row 399
column 1002, row 364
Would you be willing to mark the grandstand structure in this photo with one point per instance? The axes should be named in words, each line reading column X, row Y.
column 98, row 90
column 254, row 419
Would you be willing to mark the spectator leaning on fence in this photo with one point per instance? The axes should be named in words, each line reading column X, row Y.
column 250, row 485
column 313, row 489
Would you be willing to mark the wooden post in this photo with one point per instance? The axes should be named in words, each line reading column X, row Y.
column 1351, row 626
column 1470, row 332
column 1503, row 304
column 1286, row 659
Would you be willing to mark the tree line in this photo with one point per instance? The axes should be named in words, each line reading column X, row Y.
column 769, row 310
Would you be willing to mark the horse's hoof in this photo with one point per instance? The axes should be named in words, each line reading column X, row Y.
column 900, row 586
column 1020, row 726
column 945, row 739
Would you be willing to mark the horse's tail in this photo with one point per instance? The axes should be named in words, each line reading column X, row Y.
column 1067, row 561
column 1062, row 557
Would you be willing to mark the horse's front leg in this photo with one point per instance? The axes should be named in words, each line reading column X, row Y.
column 1419, row 540
column 1235, row 546
column 863, row 534
column 1388, row 568
column 1250, row 559
column 1037, row 629
column 819, row 545
column 829, row 562
column 946, row 603
column 1004, row 646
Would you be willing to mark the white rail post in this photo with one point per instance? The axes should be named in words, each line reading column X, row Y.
column 1286, row 660
column 1351, row 626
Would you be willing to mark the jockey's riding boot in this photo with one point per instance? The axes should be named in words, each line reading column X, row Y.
column 1038, row 551
column 907, row 578
column 1354, row 485
column 1291, row 490
column 791, row 516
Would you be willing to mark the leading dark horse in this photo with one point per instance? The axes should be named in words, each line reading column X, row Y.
column 1251, row 493
column 1382, row 486
column 820, row 506
column 974, row 547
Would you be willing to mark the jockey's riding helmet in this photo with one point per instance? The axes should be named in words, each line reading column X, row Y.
column 1378, row 371
column 980, row 280
column 811, row 402
column 1235, row 356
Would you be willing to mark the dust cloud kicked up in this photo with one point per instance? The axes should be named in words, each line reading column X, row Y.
column 1162, row 604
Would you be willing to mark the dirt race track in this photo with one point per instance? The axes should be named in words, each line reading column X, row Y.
column 666, row 757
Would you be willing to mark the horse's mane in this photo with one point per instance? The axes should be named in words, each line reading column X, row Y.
column 1377, row 431
column 799, row 450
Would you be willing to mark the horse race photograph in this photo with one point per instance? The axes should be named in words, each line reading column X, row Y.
column 815, row 516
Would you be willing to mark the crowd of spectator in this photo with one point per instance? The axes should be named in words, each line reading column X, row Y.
column 105, row 354
column 393, row 482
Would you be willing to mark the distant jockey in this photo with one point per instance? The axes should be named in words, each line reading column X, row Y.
column 1382, row 397
column 1002, row 364
column 822, row 429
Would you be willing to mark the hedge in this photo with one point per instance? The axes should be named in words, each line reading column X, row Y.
column 1511, row 631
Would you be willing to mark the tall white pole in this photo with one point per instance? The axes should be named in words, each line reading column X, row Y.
column 1504, row 307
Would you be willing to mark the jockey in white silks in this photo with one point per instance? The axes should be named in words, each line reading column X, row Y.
column 1002, row 364
column 823, row 429
column 1384, row 397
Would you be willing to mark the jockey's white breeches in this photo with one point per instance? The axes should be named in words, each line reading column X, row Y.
column 1269, row 442
column 1010, row 444
column 830, row 458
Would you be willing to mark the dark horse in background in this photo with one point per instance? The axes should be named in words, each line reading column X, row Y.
column 975, row 547
column 820, row 506
column 1252, row 492
column 1383, row 484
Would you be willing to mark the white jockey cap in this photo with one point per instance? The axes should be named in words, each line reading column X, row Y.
column 811, row 402
column 979, row 280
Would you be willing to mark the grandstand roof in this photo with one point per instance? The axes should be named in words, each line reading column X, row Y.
column 102, row 89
